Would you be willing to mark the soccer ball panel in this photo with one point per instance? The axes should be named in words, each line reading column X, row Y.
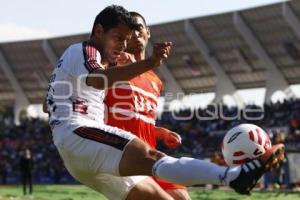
column 244, row 142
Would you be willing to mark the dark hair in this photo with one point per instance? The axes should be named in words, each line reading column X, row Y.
column 112, row 16
column 136, row 14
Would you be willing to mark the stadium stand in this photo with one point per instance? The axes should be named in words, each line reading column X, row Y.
column 199, row 138
column 221, row 53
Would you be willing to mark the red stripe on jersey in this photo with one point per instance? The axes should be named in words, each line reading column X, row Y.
column 251, row 136
column 130, row 100
column 90, row 57
column 102, row 136
column 138, row 102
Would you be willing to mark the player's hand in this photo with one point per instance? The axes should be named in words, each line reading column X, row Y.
column 170, row 138
column 161, row 51
column 125, row 59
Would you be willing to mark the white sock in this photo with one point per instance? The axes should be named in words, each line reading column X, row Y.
column 190, row 171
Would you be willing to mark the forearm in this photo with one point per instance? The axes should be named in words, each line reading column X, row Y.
column 159, row 132
column 112, row 75
column 128, row 72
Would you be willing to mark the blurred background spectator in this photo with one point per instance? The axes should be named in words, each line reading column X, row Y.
column 26, row 167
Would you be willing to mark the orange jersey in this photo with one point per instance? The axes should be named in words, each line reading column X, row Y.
column 132, row 106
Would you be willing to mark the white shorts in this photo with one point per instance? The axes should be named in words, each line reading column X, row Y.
column 92, row 155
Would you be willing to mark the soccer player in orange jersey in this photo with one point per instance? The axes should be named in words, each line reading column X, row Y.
column 132, row 105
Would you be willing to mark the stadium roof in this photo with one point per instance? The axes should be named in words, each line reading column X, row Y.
column 236, row 48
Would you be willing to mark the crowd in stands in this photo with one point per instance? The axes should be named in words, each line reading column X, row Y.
column 36, row 135
column 202, row 131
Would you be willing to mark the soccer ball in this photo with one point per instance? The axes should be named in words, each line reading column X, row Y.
column 244, row 142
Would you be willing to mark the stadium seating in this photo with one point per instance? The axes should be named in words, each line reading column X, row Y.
column 199, row 137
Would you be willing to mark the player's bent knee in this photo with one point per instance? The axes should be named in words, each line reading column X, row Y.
column 155, row 154
column 179, row 194
column 138, row 159
column 148, row 189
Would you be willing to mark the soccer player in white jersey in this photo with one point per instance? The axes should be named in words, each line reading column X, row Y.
column 89, row 148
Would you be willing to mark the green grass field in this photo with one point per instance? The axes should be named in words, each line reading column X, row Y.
column 65, row 192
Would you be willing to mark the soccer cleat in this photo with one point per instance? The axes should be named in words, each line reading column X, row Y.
column 254, row 169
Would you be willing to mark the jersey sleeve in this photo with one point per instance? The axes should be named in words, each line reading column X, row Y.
column 81, row 59
column 92, row 57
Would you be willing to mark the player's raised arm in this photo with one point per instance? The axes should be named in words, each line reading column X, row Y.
column 161, row 51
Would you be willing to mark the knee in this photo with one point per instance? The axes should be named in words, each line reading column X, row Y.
column 142, row 151
column 146, row 195
column 155, row 154
column 148, row 189
column 138, row 152
column 178, row 194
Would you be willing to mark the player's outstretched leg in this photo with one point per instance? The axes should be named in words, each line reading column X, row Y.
column 138, row 159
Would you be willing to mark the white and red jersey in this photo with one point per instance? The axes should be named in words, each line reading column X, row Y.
column 132, row 106
column 69, row 99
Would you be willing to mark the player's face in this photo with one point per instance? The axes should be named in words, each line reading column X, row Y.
column 115, row 42
column 140, row 37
